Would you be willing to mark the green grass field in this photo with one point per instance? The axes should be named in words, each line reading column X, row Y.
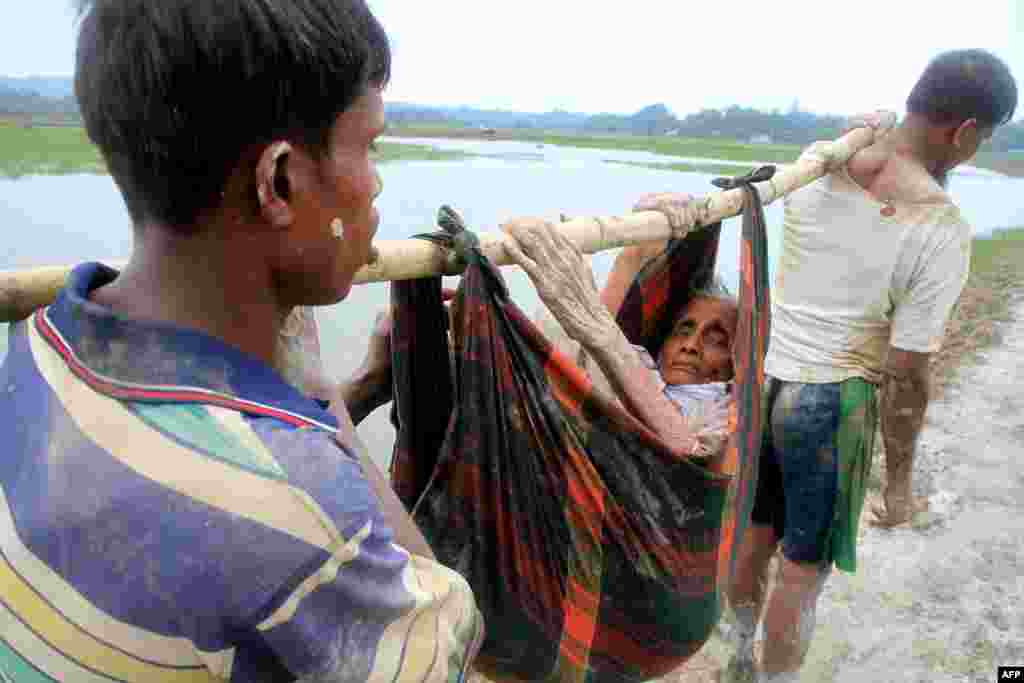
column 47, row 150
column 997, row 269
column 999, row 254
column 66, row 149
column 683, row 147
column 1011, row 164
column 60, row 150
column 708, row 148
column 399, row 151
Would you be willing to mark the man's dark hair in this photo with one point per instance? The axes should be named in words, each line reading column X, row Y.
column 965, row 84
column 175, row 92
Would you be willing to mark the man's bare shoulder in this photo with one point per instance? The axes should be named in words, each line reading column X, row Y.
column 891, row 177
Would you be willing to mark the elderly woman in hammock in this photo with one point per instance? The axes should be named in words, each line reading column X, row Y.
column 683, row 394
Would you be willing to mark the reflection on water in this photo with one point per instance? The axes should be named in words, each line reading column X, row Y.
column 67, row 219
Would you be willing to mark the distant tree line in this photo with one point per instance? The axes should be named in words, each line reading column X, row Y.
column 735, row 122
column 19, row 99
column 743, row 123
column 738, row 123
column 23, row 103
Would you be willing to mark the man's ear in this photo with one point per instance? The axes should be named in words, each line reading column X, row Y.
column 273, row 185
column 967, row 135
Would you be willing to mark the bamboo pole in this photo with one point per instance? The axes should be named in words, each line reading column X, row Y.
column 22, row 291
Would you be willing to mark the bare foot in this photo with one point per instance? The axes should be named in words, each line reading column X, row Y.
column 896, row 512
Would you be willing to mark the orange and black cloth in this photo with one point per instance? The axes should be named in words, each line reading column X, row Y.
column 593, row 553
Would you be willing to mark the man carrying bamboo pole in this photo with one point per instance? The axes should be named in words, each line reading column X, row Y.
column 874, row 258
column 172, row 508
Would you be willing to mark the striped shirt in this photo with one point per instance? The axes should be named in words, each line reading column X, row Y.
column 172, row 510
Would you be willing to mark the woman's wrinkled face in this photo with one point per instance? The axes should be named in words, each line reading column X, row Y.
column 340, row 186
column 699, row 350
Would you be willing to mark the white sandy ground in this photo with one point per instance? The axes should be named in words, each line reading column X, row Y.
column 940, row 600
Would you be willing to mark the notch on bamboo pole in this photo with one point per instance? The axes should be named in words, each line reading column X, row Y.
column 22, row 291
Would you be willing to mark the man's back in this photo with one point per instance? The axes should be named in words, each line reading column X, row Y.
column 857, row 273
column 172, row 510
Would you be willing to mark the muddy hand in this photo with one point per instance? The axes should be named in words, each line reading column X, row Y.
column 562, row 277
column 675, row 207
column 882, row 121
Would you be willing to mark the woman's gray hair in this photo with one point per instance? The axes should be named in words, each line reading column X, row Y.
column 716, row 289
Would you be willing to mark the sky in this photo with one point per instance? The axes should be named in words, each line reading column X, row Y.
column 619, row 56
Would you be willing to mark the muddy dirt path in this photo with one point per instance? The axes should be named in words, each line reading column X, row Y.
column 941, row 600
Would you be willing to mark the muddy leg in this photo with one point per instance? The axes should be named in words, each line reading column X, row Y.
column 746, row 595
column 789, row 619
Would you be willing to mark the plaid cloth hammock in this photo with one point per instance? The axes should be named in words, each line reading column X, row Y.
column 594, row 555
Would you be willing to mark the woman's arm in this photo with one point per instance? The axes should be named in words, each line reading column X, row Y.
column 566, row 286
column 627, row 264
column 631, row 260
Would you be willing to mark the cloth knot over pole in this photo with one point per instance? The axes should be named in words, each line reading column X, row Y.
column 464, row 242
column 758, row 175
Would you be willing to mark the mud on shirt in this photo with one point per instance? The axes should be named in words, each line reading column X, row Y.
column 852, row 280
